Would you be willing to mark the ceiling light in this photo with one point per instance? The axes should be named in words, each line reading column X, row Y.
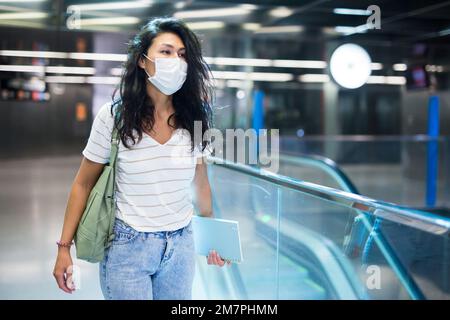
column 47, row 69
column 78, row 79
column 242, row 62
column 350, row 66
column 255, row 76
column 346, row 30
column 248, row 6
column 393, row 80
column 444, row 32
column 109, row 21
column 97, row 56
column 110, row 5
column 376, row 66
column 180, row 5
column 73, row 70
column 21, row 1
column 240, row 94
column 318, row 78
column 280, row 29
column 434, row 68
column 23, row 15
column 34, row 54
column 206, row 25
column 251, row 26
column 103, row 80
column 65, row 79
column 23, row 23
column 356, row 12
column 399, row 67
column 22, row 68
column 309, row 64
column 212, row 13
column 281, row 12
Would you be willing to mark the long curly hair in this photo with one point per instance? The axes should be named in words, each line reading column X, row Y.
column 191, row 103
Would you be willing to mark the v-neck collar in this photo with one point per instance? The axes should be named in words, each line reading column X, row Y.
column 165, row 143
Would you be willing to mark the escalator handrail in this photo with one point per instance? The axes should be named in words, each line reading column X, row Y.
column 415, row 218
column 325, row 164
column 330, row 167
column 358, row 203
column 391, row 257
column 368, row 138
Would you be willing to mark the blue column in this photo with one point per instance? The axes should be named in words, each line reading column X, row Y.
column 432, row 150
column 258, row 114
column 258, row 110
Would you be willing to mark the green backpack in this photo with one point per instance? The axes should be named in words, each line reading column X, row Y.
column 95, row 229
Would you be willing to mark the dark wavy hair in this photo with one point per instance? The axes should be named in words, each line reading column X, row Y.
column 191, row 103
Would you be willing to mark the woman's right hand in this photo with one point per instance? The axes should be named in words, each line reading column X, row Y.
column 63, row 270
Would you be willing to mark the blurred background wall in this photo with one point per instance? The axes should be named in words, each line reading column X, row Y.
column 60, row 61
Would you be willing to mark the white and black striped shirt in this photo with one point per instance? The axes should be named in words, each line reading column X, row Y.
column 153, row 180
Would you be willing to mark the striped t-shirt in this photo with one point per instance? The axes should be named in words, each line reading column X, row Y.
column 153, row 180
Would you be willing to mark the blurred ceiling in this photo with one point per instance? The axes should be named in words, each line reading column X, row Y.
column 401, row 21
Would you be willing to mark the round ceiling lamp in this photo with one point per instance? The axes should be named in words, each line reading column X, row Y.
column 350, row 66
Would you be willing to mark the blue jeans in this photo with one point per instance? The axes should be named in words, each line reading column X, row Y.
column 148, row 265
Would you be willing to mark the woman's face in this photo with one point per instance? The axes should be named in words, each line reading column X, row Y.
column 165, row 45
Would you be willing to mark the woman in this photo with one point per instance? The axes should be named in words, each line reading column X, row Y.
column 163, row 90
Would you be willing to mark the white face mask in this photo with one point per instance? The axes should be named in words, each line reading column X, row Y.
column 170, row 74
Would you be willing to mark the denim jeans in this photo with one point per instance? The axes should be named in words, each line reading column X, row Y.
column 148, row 265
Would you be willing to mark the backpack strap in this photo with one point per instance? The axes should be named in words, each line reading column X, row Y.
column 112, row 163
column 114, row 142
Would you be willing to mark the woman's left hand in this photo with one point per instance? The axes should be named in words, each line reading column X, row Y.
column 215, row 259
